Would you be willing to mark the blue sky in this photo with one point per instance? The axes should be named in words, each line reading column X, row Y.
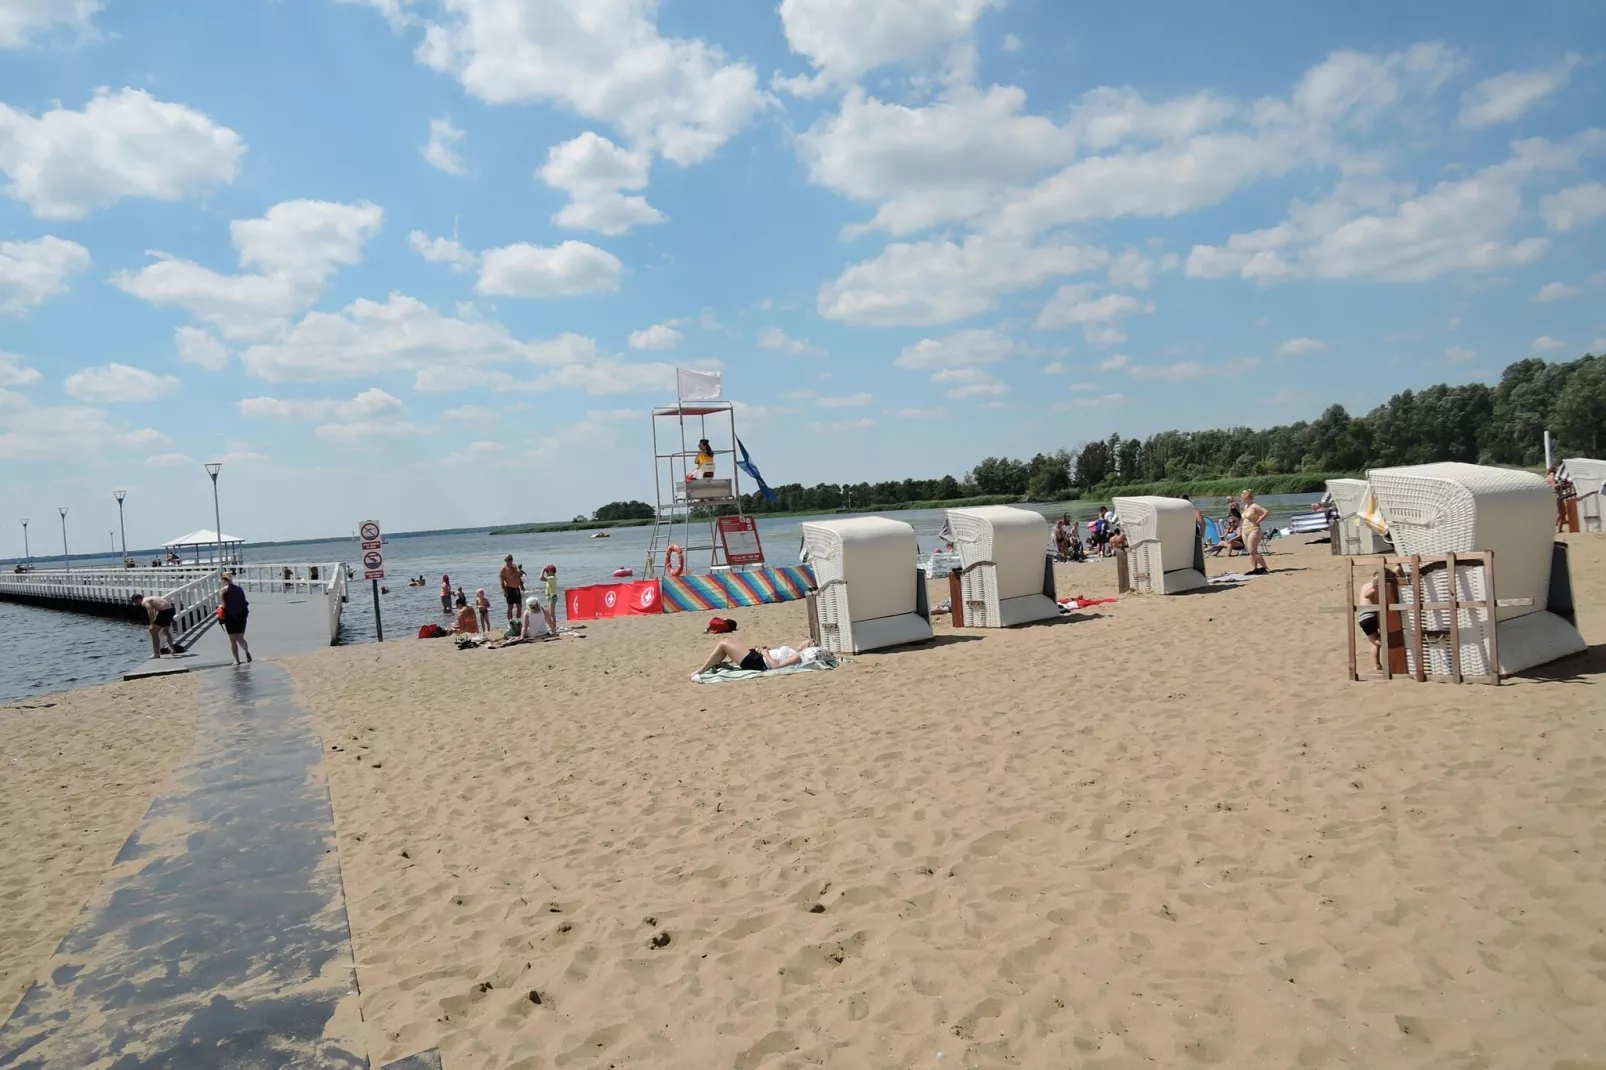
column 433, row 260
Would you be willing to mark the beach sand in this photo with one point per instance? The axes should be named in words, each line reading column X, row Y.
column 79, row 771
column 1168, row 832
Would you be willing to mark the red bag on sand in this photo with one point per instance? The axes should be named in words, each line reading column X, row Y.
column 721, row 625
column 432, row 631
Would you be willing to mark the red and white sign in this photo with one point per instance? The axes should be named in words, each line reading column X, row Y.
column 370, row 535
column 613, row 600
column 740, row 536
column 373, row 565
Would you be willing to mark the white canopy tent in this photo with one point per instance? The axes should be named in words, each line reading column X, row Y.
column 204, row 537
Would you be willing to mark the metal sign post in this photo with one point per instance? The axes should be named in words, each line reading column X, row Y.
column 373, row 566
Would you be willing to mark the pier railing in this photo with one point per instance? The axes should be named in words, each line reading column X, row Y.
column 194, row 590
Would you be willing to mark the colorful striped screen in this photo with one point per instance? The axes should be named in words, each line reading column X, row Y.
column 730, row 590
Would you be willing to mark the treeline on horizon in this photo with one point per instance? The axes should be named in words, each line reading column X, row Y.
column 1471, row 422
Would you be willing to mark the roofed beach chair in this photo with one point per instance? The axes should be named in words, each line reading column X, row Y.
column 1355, row 535
column 1006, row 576
column 871, row 593
column 1464, row 508
column 1588, row 477
column 1162, row 544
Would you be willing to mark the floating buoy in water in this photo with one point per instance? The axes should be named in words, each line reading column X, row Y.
column 624, row 572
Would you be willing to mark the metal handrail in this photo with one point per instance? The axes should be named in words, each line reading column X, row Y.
column 196, row 605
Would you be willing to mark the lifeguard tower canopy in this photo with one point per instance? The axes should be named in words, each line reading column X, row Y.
column 691, row 500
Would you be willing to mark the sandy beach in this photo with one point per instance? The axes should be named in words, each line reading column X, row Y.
column 1166, row 832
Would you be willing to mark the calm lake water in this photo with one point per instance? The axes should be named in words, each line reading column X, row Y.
column 49, row 650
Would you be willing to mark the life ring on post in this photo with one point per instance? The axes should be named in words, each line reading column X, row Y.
column 675, row 560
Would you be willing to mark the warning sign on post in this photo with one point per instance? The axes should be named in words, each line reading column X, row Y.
column 369, row 533
column 373, row 565
column 740, row 535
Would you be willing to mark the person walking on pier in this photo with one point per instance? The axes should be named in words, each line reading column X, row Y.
column 161, row 612
column 233, row 611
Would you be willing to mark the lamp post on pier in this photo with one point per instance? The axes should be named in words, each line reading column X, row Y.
column 120, row 495
column 27, row 557
column 66, row 558
column 212, row 469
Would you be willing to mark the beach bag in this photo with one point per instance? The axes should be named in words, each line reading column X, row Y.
column 721, row 625
column 431, row 631
column 219, row 612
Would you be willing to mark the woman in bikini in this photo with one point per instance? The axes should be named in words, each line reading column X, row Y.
column 1254, row 513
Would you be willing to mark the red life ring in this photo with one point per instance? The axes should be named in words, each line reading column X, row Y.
column 675, row 560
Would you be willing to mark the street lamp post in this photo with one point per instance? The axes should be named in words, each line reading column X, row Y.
column 27, row 557
column 66, row 558
column 212, row 470
column 120, row 495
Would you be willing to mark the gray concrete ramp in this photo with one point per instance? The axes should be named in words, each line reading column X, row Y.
column 280, row 625
column 219, row 938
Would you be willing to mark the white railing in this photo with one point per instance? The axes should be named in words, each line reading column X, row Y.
column 197, row 603
column 194, row 590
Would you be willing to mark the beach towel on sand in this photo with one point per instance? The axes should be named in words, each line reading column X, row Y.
column 727, row 676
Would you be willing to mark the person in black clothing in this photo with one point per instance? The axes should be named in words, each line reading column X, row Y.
column 235, row 609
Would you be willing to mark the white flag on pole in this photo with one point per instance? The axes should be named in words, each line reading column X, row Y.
column 696, row 386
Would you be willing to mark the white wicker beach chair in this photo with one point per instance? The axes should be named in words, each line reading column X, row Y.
column 1588, row 477
column 871, row 593
column 1006, row 576
column 1162, row 544
column 1460, row 508
column 1355, row 535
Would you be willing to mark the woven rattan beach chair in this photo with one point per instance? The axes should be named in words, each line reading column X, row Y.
column 1006, row 576
column 871, row 593
column 1162, row 544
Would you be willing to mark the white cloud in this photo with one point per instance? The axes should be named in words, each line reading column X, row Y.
column 777, row 339
column 1373, row 230
column 595, row 172
column 401, row 334
column 441, row 151
column 844, row 39
column 14, row 373
column 568, row 269
column 940, row 281
column 917, row 414
column 65, row 164
column 604, row 59
column 32, row 272
column 1573, row 208
column 658, row 336
column 845, row 401
column 1058, row 367
column 861, row 424
column 1299, row 347
column 1098, row 315
column 1555, row 291
column 1506, row 97
column 30, row 432
column 985, row 389
column 1131, row 270
column 170, row 460
column 1114, row 362
column 198, row 347
column 114, row 383
column 472, row 414
column 296, row 246
column 369, row 404
column 949, row 160
column 956, row 350
column 1460, row 355
column 1546, row 344
column 1189, row 371
column 1010, row 43
column 360, row 432
column 442, row 251
column 1101, row 401
column 23, row 20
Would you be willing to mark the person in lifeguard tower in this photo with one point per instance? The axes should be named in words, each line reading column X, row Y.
column 705, row 460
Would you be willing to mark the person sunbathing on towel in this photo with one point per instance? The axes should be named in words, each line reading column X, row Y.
column 757, row 659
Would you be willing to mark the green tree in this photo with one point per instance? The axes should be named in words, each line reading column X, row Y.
column 625, row 511
column 1092, row 465
column 1579, row 416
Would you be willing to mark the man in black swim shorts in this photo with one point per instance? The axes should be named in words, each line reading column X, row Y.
column 161, row 613
column 512, row 580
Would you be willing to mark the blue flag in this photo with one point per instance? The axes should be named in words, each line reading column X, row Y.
column 746, row 464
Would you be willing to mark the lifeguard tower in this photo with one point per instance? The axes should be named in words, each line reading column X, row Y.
column 693, row 497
